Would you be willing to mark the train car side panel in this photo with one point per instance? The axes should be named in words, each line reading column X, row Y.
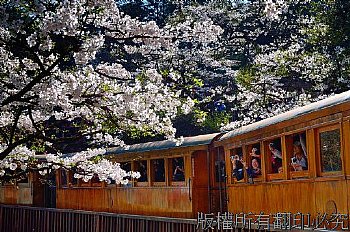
column 172, row 202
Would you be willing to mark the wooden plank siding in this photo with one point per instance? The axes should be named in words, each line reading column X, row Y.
column 180, row 200
column 157, row 201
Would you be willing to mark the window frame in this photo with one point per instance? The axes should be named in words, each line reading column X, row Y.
column 142, row 183
column 247, row 148
column 152, row 176
column 61, row 178
column 298, row 174
column 219, row 157
column 270, row 176
column 233, row 179
column 320, row 130
column 171, row 171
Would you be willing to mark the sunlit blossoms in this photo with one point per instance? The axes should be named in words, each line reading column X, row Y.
column 275, row 8
column 78, row 61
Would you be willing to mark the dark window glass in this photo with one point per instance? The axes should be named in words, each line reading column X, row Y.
column 330, row 151
column 63, row 178
column 126, row 166
column 73, row 180
column 158, row 170
column 178, row 169
column 142, row 169
column 220, row 166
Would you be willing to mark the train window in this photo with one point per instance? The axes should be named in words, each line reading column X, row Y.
column 220, row 167
column 330, row 149
column 141, row 167
column 296, row 152
column 72, row 181
column 177, row 169
column 237, row 168
column 126, row 166
column 63, row 178
column 158, row 170
column 274, row 156
column 253, row 165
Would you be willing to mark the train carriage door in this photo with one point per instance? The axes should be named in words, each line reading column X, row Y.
column 198, row 182
column 218, row 181
column 50, row 192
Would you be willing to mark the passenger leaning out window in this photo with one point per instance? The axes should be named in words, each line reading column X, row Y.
column 237, row 167
column 276, row 159
column 299, row 159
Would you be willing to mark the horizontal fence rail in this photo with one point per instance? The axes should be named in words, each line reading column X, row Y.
column 15, row 218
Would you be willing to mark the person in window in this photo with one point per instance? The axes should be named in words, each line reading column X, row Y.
column 276, row 159
column 299, row 160
column 143, row 172
column 237, row 167
column 179, row 173
column 255, row 169
column 159, row 171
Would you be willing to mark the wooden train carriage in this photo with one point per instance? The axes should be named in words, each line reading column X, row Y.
column 318, row 135
column 174, row 182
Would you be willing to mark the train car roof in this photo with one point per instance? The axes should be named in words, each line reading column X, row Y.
column 319, row 105
column 164, row 144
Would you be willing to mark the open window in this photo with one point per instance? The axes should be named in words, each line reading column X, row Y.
column 63, row 178
column 253, row 162
column 158, row 172
column 236, row 163
column 220, row 172
column 141, row 167
column 329, row 150
column 72, row 180
column 273, row 159
column 297, row 156
column 126, row 166
column 177, row 170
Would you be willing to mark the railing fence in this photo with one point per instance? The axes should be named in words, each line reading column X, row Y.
column 14, row 218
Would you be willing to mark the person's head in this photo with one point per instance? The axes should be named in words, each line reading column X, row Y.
column 234, row 158
column 280, row 169
column 237, row 161
column 255, row 163
column 272, row 146
column 298, row 150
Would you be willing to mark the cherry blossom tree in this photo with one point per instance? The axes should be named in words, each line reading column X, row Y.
column 302, row 64
column 272, row 56
column 86, row 60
